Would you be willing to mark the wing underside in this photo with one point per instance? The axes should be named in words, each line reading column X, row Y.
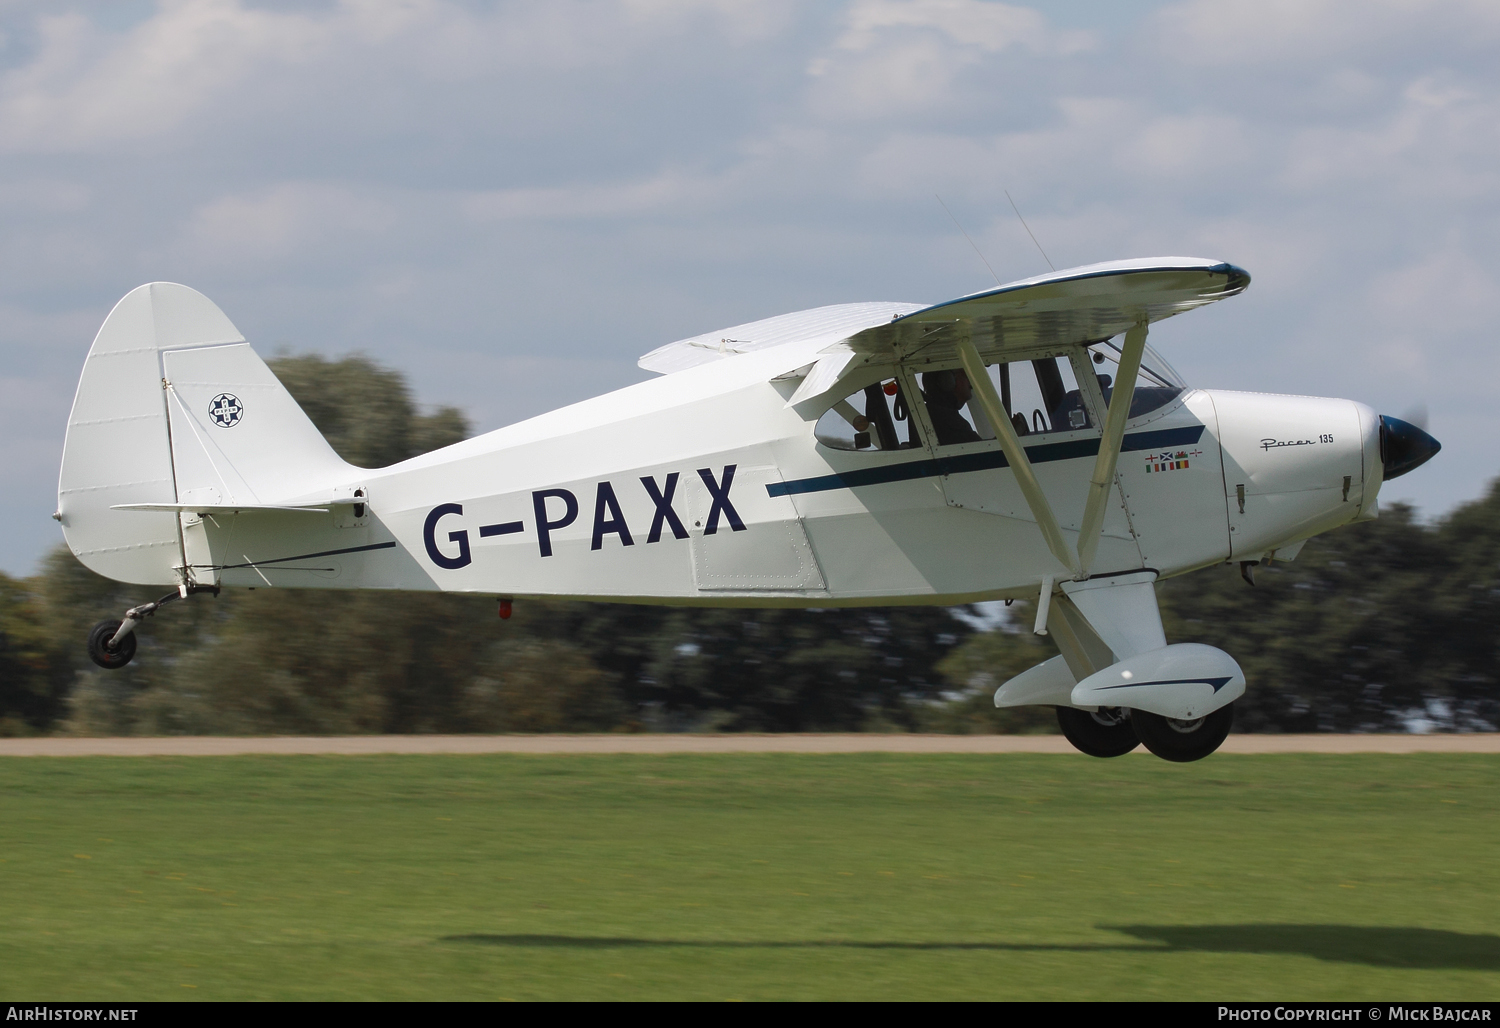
column 1063, row 308
column 1078, row 305
column 1066, row 308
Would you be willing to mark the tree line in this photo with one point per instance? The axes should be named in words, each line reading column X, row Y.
column 1376, row 626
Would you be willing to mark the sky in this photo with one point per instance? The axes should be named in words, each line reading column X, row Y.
column 510, row 202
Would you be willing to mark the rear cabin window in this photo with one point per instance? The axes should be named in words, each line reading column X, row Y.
column 1041, row 397
column 875, row 418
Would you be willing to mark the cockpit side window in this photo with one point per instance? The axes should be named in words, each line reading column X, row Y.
column 874, row 418
column 1156, row 385
column 1041, row 397
column 947, row 395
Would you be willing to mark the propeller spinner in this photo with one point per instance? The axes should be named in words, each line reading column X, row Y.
column 1404, row 447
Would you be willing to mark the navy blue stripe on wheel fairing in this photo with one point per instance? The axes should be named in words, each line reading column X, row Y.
column 986, row 460
column 1217, row 683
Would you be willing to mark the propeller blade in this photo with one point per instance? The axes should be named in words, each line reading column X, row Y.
column 1416, row 414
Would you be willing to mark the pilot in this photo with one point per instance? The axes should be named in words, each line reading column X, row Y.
column 946, row 392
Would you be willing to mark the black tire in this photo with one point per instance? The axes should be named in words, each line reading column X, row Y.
column 99, row 651
column 1183, row 741
column 1109, row 733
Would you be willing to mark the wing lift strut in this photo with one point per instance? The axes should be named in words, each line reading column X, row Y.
column 1114, row 657
column 1076, row 564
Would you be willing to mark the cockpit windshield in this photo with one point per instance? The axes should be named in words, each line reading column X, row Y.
column 1156, row 385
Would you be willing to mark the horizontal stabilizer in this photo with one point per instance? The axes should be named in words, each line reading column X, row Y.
column 1183, row 681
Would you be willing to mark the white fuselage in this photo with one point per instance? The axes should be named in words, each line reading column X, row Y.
column 750, row 509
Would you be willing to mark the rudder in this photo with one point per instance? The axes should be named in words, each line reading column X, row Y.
column 174, row 407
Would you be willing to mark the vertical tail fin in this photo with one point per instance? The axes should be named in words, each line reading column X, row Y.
column 174, row 407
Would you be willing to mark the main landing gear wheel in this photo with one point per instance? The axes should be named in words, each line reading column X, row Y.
column 99, row 649
column 1183, row 741
column 1106, row 732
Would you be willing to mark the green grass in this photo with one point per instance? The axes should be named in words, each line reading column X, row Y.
column 750, row 877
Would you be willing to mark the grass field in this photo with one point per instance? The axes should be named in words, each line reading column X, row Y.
column 750, row 876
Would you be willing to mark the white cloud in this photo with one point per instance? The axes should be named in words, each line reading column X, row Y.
column 1436, row 139
column 670, row 192
column 1307, row 33
column 87, row 88
column 284, row 222
column 903, row 56
column 1187, row 146
column 195, row 63
column 469, row 190
column 988, row 26
column 1444, row 294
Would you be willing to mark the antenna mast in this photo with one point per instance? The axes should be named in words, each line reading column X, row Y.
column 971, row 242
column 1028, row 230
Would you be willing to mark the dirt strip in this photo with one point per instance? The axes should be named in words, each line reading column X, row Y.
column 218, row 746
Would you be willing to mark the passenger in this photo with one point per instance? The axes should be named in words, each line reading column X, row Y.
column 946, row 392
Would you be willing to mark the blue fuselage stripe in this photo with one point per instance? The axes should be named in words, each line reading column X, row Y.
column 988, row 460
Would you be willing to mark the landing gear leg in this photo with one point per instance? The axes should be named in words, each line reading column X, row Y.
column 112, row 643
column 1106, row 732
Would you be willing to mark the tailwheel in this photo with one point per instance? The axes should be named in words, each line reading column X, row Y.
column 1106, row 732
column 106, row 653
column 1183, row 741
column 112, row 643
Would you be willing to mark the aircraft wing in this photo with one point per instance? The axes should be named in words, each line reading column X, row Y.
column 1086, row 304
column 834, row 323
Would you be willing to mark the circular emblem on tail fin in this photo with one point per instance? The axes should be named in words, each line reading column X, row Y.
column 226, row 410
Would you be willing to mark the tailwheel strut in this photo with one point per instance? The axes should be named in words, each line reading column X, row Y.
column 112, row 643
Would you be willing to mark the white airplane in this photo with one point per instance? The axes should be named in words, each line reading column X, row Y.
column 1021, row 442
